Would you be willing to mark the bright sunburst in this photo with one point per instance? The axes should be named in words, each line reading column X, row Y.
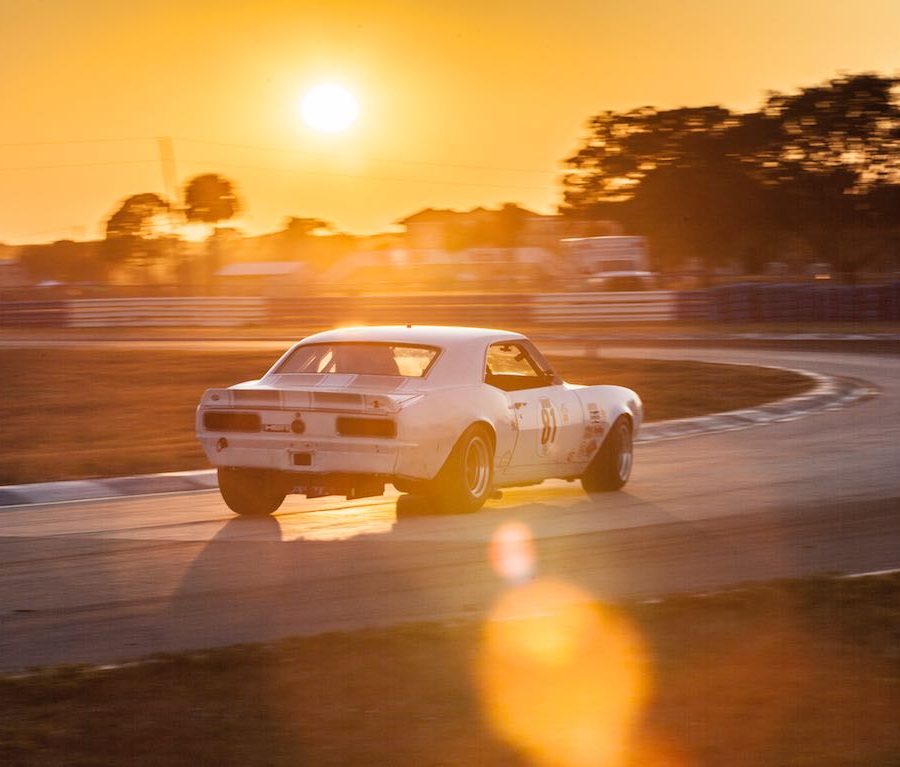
column 329, row 108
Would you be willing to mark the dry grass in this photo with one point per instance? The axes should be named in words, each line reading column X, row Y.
column 87, row 413
column 75, row 413
column 793, row 674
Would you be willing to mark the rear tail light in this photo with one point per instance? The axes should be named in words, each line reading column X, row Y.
column 223, row 421
column 366, row 427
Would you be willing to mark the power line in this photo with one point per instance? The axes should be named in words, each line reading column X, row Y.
column 265, row 169
column 78, row 165
column 76, row 141
column 257, row 148
column 284, row 150
column 359, row 176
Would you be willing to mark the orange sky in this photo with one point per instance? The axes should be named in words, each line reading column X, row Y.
column 463, row 103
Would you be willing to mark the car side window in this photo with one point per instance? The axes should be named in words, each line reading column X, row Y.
column 510, row 367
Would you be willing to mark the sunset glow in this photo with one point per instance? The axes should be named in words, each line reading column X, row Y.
column 329, row 108
column 455, row 106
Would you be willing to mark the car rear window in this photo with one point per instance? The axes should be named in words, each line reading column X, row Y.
column 379, row 359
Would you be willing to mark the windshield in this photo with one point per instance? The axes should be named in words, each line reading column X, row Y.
column 379, row 359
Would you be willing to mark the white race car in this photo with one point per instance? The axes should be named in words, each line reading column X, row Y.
column 449, row 413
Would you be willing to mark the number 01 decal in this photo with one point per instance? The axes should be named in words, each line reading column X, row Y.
column 548, row 424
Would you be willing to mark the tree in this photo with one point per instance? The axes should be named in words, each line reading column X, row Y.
column 137, row 232
column 844, row 134
column 830, row 161
column 817, row 164
column 699, row 214
column 623, row 148
column 314, row 241
column 297, row 229
column 210, row 198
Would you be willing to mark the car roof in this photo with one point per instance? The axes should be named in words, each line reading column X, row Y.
column 462, row 349
column 428, row 335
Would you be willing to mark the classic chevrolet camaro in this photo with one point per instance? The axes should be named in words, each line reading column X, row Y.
column 449, row 413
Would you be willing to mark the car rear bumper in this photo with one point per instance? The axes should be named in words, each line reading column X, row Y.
column 326, row 456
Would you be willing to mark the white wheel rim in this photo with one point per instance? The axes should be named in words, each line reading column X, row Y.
column 477, row 467
column 625, row 452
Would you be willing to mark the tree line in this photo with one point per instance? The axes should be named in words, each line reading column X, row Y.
column 809, row 176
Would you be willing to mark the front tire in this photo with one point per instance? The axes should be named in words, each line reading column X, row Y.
column 466, row 480
column 250, row 492
column 611, row 467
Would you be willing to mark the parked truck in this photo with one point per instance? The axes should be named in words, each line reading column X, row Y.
column 610, row 262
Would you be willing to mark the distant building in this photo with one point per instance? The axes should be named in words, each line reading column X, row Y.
column 509, row 226
column 509, row 247
column 437, row 229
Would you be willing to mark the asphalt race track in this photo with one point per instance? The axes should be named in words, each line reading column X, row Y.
column 105, row 581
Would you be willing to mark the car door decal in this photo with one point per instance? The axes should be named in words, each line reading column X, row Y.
column 595, row 427
column 549, row 425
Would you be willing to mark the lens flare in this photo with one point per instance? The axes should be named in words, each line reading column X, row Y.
column 512, row 552
column 561, row 677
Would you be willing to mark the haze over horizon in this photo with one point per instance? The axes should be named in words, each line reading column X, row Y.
column 477, row 104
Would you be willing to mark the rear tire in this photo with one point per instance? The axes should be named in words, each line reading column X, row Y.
column 611, row 467
column 466, row 480
column 250, row 492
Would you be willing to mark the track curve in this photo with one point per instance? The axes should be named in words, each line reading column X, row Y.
column 106, row 580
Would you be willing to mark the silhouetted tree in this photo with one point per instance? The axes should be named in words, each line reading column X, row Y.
column 833, row 150
column 705, row 181
column 623, row 148
column 210, row 198
column 844, row 134
column 699, row 213
column 296, row 229
column 136, row 232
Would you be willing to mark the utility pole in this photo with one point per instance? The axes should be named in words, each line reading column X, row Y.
column 170, row 185
column 167, row 163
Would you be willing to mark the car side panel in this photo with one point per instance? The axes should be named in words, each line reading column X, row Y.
column 434, row 423
column 551, row 422
column 602, row 406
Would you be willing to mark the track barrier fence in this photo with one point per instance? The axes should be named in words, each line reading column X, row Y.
column 742, row 303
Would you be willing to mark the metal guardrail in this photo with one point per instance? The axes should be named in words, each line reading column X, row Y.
column 736, row 303
column 644, row 306
column 461, row 309
column 812, row 303
column 34, row 313
column 166, row 312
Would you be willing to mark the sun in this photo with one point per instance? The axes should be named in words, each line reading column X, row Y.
column 329, row 108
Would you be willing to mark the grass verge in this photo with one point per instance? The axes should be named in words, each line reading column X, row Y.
column 78, row 413
column 789, row 673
